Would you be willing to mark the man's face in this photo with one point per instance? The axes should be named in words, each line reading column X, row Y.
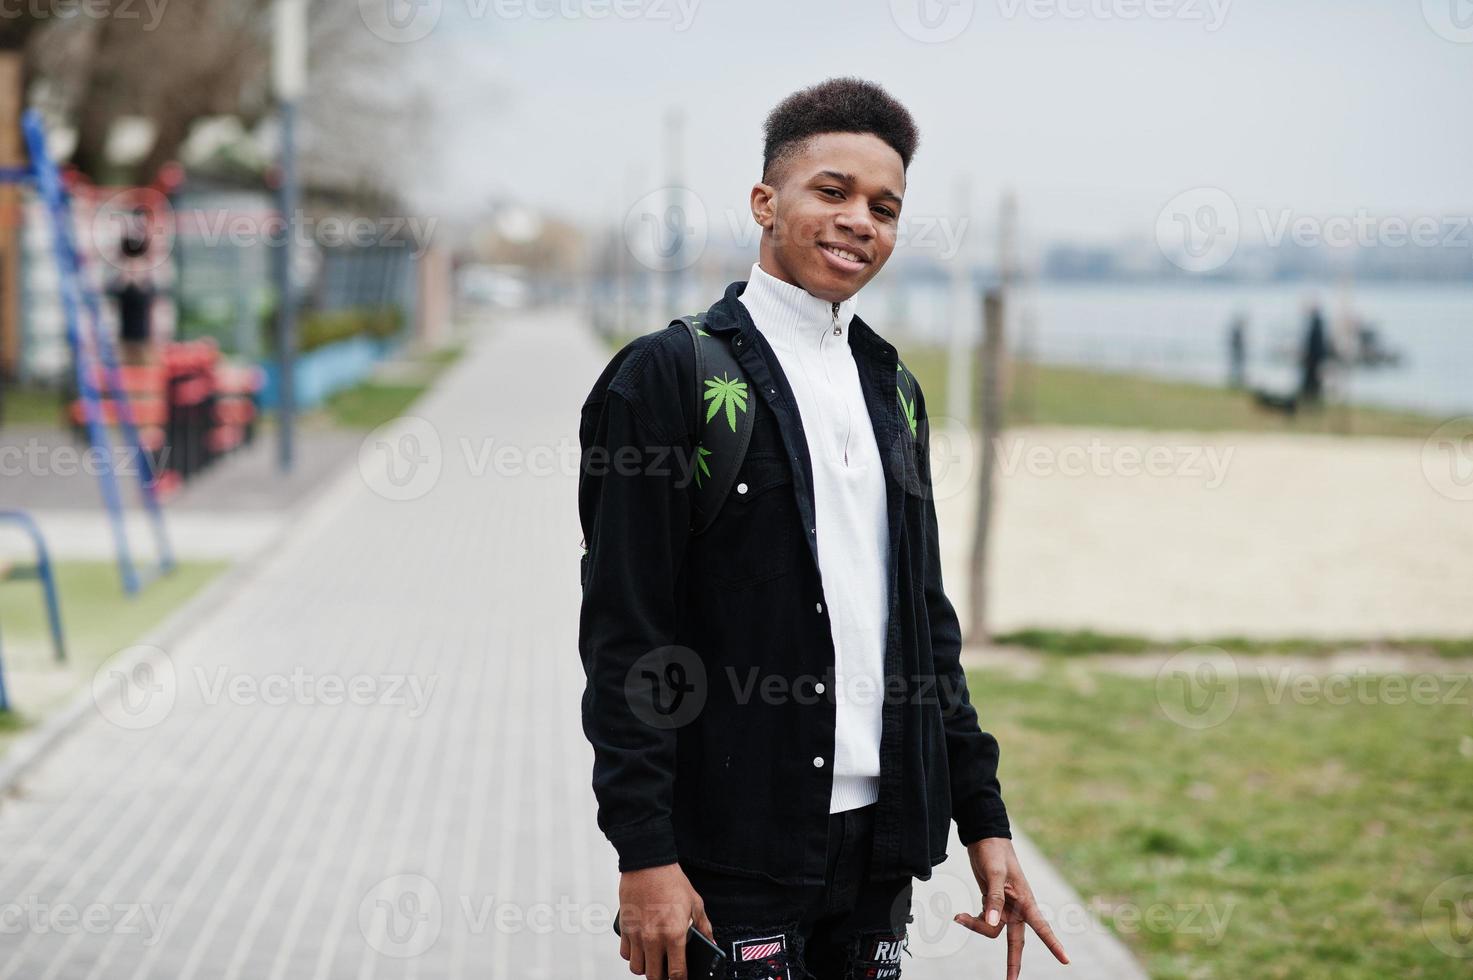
column 829, row 221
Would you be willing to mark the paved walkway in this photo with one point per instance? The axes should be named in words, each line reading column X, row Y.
column 368, row 762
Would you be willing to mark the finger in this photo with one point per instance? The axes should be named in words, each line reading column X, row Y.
column 702, row 923
column 1046, row 933
column 1015, row 948
column 977, row 925
column 636, row 958
column 675, row 957
column 654, row 958
column 997, row 878
column 624, row 945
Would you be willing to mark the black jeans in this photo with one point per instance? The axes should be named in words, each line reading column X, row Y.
column 847, row 928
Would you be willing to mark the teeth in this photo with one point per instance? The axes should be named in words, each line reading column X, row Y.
column 843, row 253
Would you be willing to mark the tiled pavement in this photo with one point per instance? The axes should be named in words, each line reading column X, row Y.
column 369, row 761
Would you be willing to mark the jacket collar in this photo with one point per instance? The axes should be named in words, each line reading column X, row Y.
column 729, row 315
column 789, row 315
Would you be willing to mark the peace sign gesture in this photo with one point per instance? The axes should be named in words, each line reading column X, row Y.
column 1007, row 900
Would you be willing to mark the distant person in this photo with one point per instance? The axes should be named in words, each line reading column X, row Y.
column 1312, row 360
column 1238, row 352
column 132, row 289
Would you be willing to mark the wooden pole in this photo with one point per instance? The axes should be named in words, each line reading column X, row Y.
column 991, row 371
column 12, row 71
column 959, row 337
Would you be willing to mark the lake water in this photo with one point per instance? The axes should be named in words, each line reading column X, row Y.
column 1180, row 332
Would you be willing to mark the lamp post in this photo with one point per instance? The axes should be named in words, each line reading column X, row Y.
column 289, row 81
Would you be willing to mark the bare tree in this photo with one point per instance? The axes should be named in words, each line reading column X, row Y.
column 197, row 59
column 366, row 117
column 363, row 113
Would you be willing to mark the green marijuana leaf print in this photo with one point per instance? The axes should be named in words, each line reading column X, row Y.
column 729, row 392
column 910, row 410
column 908, row 407
column 701, row 453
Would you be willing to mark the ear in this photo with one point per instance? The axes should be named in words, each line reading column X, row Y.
column 762, row 204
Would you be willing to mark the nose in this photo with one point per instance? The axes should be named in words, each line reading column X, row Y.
column 856, row 220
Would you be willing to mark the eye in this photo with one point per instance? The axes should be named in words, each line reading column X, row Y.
column 885, row 211
column 831, row 190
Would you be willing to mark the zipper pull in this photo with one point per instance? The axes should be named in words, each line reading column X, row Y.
column 836, row 320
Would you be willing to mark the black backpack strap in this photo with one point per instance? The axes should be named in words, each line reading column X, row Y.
column 724, row 421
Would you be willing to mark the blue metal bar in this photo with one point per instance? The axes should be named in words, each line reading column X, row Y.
column 43, row 572
column 48, row 184
column 4, row 701
column 77, row 296
column 286, row 314
column 107, row 354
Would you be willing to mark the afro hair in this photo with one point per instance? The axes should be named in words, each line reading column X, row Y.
column 837, row 105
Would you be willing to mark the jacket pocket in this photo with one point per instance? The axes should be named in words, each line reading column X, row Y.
column 749, row 541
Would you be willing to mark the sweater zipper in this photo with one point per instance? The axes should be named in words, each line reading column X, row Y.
column 849, row 421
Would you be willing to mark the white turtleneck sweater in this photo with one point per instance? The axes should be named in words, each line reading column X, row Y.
column 850, row 509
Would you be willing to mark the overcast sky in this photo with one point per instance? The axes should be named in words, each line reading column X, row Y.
column 1096, row 111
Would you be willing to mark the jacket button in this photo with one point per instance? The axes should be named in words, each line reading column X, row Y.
column 741, row 488
column 818, row 688
column 818, row 607
column 818, row 762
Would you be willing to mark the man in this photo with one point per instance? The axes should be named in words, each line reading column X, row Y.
column 782, row 731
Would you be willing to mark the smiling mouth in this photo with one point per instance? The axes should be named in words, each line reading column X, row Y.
column 843, row 253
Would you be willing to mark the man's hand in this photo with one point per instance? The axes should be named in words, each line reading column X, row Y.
column 1006, row 899
column 656, row 907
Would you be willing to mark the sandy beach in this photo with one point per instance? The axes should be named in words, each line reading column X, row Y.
column 1195, row 535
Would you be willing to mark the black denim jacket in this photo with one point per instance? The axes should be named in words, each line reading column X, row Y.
column 702, row 651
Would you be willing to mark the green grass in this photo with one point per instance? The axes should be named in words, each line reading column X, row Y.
column 371, row 403
column 30, row 405
column 1052, row 395
column 98, row 620
column 1310, row 832
column 444, row 356
column 1084, row 642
